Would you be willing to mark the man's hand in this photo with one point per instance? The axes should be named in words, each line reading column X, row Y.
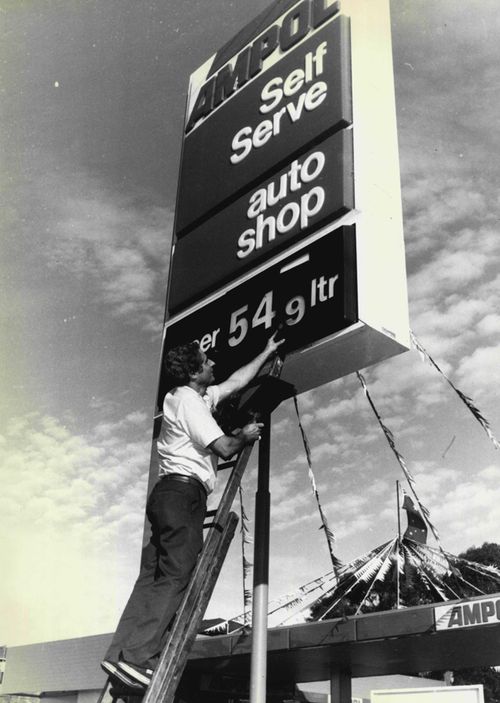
column 272, row 345
column 227, row 445
column 241, row 378
column 251, row 432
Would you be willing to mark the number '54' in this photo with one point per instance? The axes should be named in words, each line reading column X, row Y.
column 238, row 325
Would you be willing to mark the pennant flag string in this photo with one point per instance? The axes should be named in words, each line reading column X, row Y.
column 383, row 568
column 465, row 399
column 390, row 438
column 357, row 581
column 353, row 577
column 283, row 603
column 330, row 538
column 247, row 595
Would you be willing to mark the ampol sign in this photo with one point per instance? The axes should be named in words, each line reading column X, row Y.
column 303, row 95
column 477, row 612
column 290, row 143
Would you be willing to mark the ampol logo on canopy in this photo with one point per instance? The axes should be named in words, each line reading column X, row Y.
column 478, row 612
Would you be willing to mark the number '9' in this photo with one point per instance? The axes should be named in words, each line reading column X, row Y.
column 295, row 309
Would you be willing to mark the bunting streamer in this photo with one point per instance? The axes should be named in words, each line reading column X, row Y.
column 380, row 575
column 390, row 438
column 302, row 597
column 247, row 594
column 330, row 538
column 361, row 575
column 352, row 577
column 465, row 399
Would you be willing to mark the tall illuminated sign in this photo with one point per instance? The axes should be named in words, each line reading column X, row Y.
column 288, row 210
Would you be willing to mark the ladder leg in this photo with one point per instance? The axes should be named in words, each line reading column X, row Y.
column 104, row 690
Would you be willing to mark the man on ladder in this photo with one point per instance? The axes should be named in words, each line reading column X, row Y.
column 188, row 446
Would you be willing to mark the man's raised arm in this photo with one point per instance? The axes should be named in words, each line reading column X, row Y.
column 227, row 445
column 242, row 377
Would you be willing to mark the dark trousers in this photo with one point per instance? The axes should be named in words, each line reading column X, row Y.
column 176, row 512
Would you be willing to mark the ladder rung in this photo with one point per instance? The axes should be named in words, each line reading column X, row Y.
column 211, row 513
column 217, row 525
column 227, row 465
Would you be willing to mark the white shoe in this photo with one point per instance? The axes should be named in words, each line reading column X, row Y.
column 137, row 673
column 115, row 673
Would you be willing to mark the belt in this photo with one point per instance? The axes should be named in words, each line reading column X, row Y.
column 185, row 479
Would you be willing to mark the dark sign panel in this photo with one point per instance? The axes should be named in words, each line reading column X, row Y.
column 314, row 188
column 310, row 295
column 297, row 102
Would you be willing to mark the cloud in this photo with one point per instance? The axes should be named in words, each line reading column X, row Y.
column 448, row 272
column 338, row 408
column 435, row 207
column 122, row 248
column 470, row 510
column 60, row 474
column 291, row 511
column 480, row 370
column 110, row 246
column 488, row 325
column 490, row 473
column 282, row 427
column 73, row 507
column 347, row 528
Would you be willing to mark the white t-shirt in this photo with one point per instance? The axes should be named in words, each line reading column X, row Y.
column 187, row 429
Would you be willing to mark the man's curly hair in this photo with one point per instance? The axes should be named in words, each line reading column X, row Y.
column 182, row 361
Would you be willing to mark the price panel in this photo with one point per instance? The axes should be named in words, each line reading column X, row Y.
column 308, row 296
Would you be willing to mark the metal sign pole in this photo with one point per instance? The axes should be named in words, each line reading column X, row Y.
column 258, row 670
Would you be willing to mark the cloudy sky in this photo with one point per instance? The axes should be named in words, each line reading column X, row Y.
column 93, row 94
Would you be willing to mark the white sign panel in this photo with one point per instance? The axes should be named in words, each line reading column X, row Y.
column 459, row 615
column 442, row 694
